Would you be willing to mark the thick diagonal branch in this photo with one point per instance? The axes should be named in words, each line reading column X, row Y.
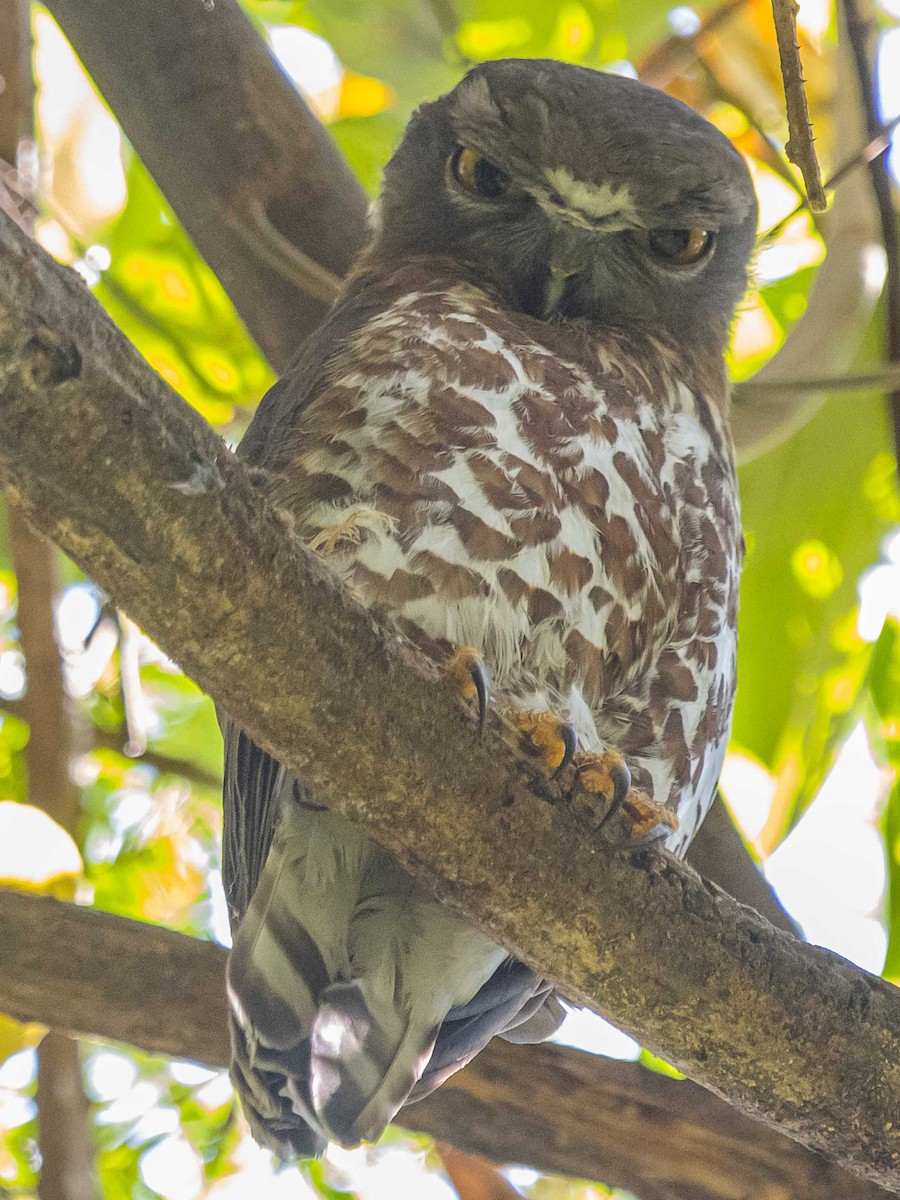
column 660, row 1138
column 144, row 496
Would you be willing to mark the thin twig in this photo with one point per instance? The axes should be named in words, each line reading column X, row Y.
column 862, row 158
column 677, row 53
column 858, row 32
column 799, row 147
column 874, row 381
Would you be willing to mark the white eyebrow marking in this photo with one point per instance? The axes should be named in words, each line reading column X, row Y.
column 597, row 201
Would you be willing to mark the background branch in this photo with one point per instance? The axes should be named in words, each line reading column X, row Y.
column 558, row 1110
column 252, row 174
column 63, row 1117
column 177, row 533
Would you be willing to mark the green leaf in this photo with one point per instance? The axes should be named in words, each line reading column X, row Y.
column 190, row 731
column 315, row 1172
column 168, row 302
column 811, row 530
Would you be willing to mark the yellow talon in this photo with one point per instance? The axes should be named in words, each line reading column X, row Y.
column 468, row 675
column 607, row 777
column 547, row 734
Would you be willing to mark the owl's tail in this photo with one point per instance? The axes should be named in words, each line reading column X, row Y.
column 339, row 979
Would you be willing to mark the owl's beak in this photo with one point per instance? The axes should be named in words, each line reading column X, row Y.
column 557, row 279
column 570, row 260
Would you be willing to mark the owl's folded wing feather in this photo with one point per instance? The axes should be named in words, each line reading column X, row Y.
column 350, row 991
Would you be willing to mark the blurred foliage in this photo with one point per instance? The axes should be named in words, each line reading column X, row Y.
column 816, row 512
column 164, row 297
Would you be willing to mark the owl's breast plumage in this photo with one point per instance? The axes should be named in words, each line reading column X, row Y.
column 572, row 517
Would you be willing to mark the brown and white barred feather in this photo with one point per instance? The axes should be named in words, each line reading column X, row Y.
column 555, row 497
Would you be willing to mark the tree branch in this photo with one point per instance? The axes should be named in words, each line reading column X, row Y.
column 718, row 853
column 800, row 147
column 161, row 514
column 63, row 1117
column 252, row 174
column 663, row 1139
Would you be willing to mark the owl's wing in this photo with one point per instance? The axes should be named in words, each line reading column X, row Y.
column 252, row 787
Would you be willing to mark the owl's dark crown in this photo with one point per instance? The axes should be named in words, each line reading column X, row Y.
column 576, row 195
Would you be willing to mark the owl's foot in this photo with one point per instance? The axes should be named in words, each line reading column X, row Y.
column 468, row 676
column 358, row 520
column 606, row 777
column 546, row 735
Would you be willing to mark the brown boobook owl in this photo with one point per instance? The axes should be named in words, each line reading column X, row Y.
column 512, row 435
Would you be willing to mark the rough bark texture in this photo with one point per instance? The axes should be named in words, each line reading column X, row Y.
column 172, row 526
column 556, row 1109
column 253, row 175
column 64, row 1127
column 719, row 854
column 142, row 494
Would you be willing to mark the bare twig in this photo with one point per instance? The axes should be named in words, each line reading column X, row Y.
column 862, row 158
column 214, row 574
column 800, row 148
column 556, row 1109
column 874, row 381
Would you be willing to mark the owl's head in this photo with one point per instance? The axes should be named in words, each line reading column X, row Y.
column 576, row 194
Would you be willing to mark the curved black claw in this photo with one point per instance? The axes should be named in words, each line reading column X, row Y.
column 482, row 682
column 621, row 778
column 570, row 740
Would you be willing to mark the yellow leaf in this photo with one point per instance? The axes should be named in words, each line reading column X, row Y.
column 15, row 1036
column 488, row 39
column 363, row 96
column 574, row 33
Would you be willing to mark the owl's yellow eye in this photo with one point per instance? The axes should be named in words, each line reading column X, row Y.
column 476, row 174
column 680, row 247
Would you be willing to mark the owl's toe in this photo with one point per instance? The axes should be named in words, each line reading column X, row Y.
column 546, row 735
column 649, row 821
column 469, row 677
column 606, row 779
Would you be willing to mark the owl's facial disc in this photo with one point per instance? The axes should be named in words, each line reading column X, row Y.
column 576, row 195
